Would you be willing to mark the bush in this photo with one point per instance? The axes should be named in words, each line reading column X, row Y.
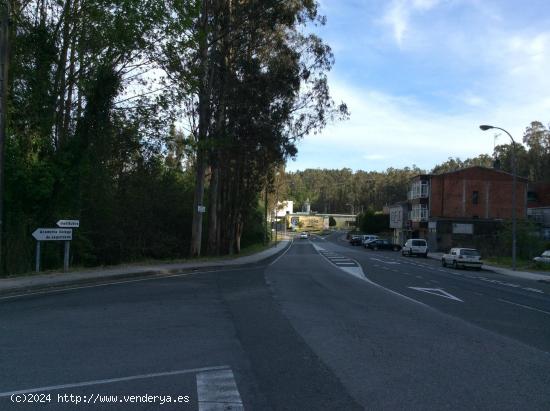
column 371, row 222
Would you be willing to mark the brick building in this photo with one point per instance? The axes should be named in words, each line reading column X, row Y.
column 463, row 207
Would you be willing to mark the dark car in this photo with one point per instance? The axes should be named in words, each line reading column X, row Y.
column 356, row 240
column 382, row 245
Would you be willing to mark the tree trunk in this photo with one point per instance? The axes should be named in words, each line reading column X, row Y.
column 4, row 64
column 60, row 77
column 213, row 246
column 238, row 232
column 204, row 105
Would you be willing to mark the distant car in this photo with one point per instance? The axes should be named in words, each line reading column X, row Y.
column 356, row 240
column 304, row 234
column 415, row 246
column 367, row 238
column 543, row 258
column 462, row 258
column 381, row 244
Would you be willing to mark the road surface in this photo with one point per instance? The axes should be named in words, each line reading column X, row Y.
column 324, row 326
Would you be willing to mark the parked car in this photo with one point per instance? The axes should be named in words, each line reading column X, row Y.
column 356, row 240
column 304, row 234
column 462, row 257
column 381, row 244
column 415, row 246
column 367, row 238
column 543, row 258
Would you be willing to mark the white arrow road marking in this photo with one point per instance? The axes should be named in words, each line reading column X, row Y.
column 437, row 291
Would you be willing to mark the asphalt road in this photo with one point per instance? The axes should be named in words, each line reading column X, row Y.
column 510, row 306
column 304, row 331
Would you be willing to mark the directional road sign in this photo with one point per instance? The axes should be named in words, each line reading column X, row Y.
column 68, row 223
column 53, row 234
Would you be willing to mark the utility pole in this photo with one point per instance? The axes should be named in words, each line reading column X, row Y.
column 4, row 63
column 486, row 127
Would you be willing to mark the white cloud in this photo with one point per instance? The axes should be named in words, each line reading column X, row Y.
column 374, row 157
column 399, row 13
column 391, row 131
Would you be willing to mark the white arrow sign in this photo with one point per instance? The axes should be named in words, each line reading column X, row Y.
column 437, row 291
column 53, row 234
column 68, row 223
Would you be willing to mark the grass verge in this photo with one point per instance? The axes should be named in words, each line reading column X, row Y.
column 521, row 264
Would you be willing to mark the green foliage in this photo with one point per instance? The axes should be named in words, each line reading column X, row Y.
column 254, row 229
column 340, row 191
column 373, row 223
column 454, row 164
column 528, row 241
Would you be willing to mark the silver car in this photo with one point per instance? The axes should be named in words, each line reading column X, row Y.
column 543, row 258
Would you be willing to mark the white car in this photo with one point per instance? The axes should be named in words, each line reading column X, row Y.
column 462, row 257
column 415, row 246
column 303, row 234
column 544, row 257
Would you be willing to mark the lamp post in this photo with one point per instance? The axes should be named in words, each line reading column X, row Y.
column 514, row 195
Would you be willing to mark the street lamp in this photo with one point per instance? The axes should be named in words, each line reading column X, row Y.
column 514, row 171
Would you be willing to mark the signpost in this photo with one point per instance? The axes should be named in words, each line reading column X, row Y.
column 53, row 234
column 56, row 234
column 201, row 209
column 68, row 223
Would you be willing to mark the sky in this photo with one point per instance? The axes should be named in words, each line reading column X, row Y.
column 420, row 76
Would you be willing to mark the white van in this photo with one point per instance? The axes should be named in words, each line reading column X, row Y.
column 415, row 246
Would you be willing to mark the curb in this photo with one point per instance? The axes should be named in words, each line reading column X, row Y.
column 159, row 273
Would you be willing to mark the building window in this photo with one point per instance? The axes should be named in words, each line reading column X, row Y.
column 419, row 189
column 419, row 212
column 475, row 197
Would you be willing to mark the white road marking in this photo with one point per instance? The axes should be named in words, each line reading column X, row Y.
column 277, row 259
column 524, row 306
column 533, row 289
column 358, row 272
column 437, row 291
column 217, row 391
column 113, row 380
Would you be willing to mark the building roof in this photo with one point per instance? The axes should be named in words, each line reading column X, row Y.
column 462, row 170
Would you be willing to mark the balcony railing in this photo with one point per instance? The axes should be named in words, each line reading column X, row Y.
column 418, row 190
column 418, row 214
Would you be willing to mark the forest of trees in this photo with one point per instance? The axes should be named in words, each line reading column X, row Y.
column 128, row 115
